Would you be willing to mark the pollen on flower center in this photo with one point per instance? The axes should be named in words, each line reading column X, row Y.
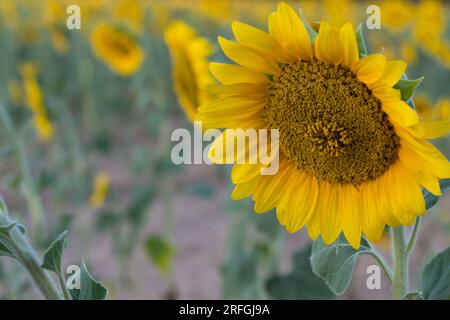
column 330, row 124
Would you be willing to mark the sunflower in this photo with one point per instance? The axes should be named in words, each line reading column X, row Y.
column 190, row 74
column 118, row 49
column 353, row 155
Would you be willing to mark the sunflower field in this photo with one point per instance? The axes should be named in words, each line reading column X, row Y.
column 103, row 197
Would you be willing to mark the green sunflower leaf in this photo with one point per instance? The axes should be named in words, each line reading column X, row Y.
column 160, row 252
column 360, row 40
column 90, row 289
column 408, row 87
column 413, row 296
column 311, row 32
column 335, row 264
column 430, row 199
column 436, row 277
column 300, row 283
column 53, row 255
column 5, row 250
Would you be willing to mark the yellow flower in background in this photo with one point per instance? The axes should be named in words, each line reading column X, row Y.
column 59, row 41
column 423, row 107
column 408, row 53
column 118, row 49
column 353, row 155
column 396, row 15
column 43, row 126
column 100, row 190
column 337, row 12
column 217, row 9
column 190, row 73
column 35, row 102
column 15, row 92
column 130, row 13
column 442, row 109
column 430, row 21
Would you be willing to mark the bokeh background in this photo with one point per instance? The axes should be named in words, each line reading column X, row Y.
column 86, row 117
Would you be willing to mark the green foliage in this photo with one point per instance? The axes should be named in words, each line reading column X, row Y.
column 436, row 277
column 408, row 87
column 360, row 40
column 430, row 199
column 311, row 32
column 413, row 296
column 335, row 264
column 160, row 251
column 300, row 282
column 90, row 289
column 53, row 255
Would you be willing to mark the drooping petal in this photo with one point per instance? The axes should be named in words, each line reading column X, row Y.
column 244, row 190
column 427, row 156
column 425, row 178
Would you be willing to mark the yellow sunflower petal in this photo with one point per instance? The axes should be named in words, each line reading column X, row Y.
column 400, row 113
column 247, row 57
column 300, row 204
column 242, row 173
column 371, row 222
column 369, row 69
column 270, row 188
column 404, row 195
column 231, row 74
column 231, row 105
column 350, row 46
column 287, row 28
column 392, row 73
column 425, row 178
column 427, row 156
column 388, row 94
column 244, row 190
column 256, row 39
column 430, row 129
column 327, row 46
column 351, row 224
column 328, row 209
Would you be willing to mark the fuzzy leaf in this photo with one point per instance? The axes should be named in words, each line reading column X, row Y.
column 430, row 199
column 90, row 289
column 436, row 277
column 300, row 283
column 160, row 252
column 407, row 87
column 53, row 255
column 335, row 264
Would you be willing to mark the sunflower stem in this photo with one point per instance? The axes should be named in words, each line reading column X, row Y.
column 400, row 257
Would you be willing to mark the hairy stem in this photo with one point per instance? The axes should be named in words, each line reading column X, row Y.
column 400, row 257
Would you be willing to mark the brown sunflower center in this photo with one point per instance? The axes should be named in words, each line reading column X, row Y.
column 330, row 124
